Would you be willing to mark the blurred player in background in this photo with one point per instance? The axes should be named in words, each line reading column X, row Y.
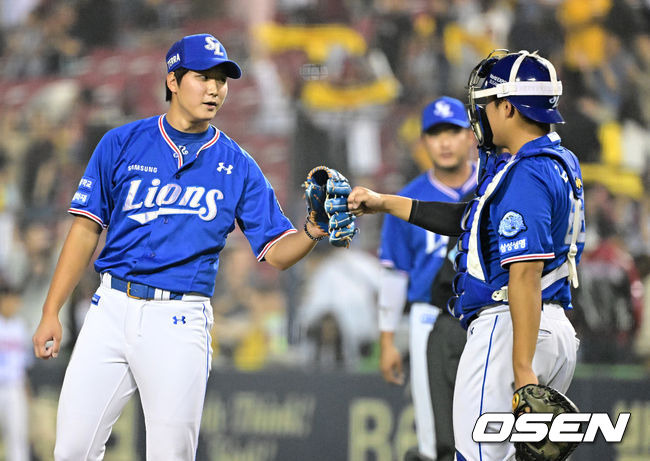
column 169, row 189
column 411, row 257
column 520, row 242
column 14, row 360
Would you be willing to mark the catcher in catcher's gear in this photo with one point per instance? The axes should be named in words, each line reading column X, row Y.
column 519, row 245
column 535, row 398
column 326, row 193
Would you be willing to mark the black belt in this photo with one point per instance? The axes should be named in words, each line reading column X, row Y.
column 140, row 290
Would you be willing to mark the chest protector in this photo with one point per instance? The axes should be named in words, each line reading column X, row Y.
column 473, row 290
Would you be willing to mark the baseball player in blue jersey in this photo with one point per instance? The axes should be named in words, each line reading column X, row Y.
column 411, row 257
column 520, row 241
column 168, row 189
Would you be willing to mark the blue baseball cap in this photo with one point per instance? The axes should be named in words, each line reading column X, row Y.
column 444, row 110
column 200, row 52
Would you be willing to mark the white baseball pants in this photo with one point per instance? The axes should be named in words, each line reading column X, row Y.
column 421, row 320
column 485, row 379
column 162, row 348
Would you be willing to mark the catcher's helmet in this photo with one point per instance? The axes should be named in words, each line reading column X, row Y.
column 525, row 79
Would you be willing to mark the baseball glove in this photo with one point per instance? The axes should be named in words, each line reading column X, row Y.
column 536, row 398
column 326, row 193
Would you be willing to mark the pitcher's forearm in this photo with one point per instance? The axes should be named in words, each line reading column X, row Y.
column 290, row 249
column 78, row 249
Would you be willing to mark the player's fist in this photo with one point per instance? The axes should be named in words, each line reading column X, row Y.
column 365, row 201
column 390, row 360
column 48, row 330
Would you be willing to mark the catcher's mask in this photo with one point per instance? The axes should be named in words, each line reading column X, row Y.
column 528, row 81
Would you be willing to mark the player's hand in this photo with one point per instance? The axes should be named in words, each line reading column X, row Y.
column 48, row 330
column 390, row 363
column 365, row 201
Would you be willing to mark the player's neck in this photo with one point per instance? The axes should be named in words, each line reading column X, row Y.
column 520, row 136
column 454, row 178
column 176, row 119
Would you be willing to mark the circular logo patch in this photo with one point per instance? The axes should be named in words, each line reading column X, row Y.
column 511, row 224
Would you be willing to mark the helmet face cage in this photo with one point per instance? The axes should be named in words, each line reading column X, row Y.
column 519, row 92
column 477, row 118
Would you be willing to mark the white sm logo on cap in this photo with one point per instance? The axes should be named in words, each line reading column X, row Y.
column 443, row 110
column 213, row 44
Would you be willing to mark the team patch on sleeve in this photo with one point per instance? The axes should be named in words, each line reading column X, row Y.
column 82, row 195
column 508, row 247
column 511, row 224
column 86, row 183
column 80, row 198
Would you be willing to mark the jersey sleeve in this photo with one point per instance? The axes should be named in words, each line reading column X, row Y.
column 394, row 251
column 93, row 199
column 259, row 214
column 393, row 290
column 522, row 212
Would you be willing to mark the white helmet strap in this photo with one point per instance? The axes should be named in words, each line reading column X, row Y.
column 512, row 87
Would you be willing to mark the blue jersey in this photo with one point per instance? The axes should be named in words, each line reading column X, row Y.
column 529, row 220
column 524, row 212
column 409, row 248
column 168, row 210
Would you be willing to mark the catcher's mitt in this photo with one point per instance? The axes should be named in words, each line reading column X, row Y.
column 536, row 398
column 326, row 193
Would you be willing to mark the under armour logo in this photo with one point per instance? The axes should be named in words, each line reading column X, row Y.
column 443, row 110
column 222, row 167
column 213, row 44
column 177, row 319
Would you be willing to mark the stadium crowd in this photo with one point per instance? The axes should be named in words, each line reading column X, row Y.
column 329, row 82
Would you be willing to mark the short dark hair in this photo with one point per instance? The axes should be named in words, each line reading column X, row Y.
column 178, row 73
column 544, row 127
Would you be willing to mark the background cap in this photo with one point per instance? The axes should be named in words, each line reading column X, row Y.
column 200, row 52
column 444, row 110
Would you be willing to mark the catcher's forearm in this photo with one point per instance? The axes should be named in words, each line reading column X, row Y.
column 525, row 300
column 396, row 205
column 440, row 217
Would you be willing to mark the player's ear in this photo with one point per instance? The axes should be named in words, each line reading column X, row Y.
column 509, row 109
column 172, row 83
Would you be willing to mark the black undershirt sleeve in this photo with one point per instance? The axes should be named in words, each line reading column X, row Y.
column 440, row 217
